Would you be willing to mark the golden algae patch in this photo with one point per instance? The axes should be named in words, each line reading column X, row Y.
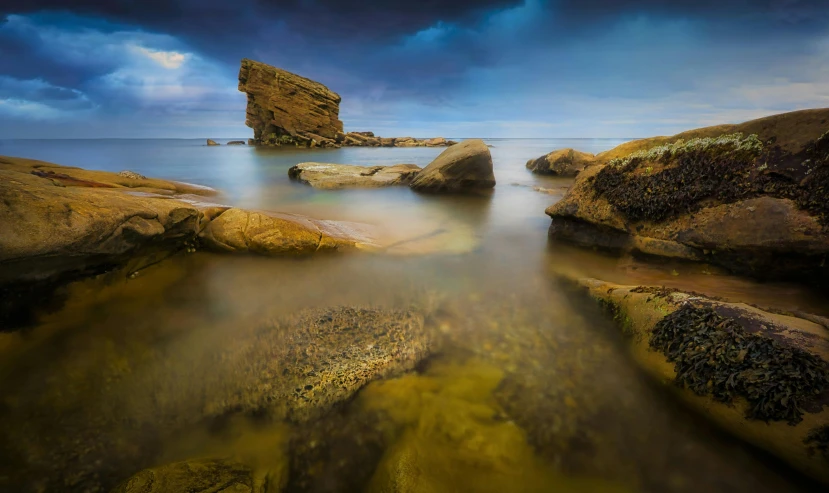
column 449, row 434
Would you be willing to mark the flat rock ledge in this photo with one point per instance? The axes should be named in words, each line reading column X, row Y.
column 71, row 223
column 334, row 176
column 761, row 375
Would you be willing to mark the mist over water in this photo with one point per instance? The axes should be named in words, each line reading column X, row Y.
column 530, row 383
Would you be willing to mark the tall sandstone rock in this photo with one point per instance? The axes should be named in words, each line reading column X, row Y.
column 284, row 108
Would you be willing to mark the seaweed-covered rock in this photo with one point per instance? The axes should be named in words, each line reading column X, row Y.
column 194, row 476
column 762, row 376
column 562, row 162
column 749, row 197
column 461, row 167
column 333, row 176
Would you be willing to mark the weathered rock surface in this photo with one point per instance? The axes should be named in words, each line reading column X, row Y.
column 284, row 108
column 762, row 376
column 71, row 223
column 562, row 162
column 195, row 476
column 211, row 142
column 237, row 230
column 463, row 167
column 756, row 203
column 333, row 176
column 287, row 109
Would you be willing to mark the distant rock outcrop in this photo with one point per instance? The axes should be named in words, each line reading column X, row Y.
column 236, row 143
column 563, row 162
column 212, row 142
column 284, row 108
column 287, row 109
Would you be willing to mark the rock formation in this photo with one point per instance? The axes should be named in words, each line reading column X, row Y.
column 286, row 109
column 333, row 176
column 236, row 143
column 563, row 162
column 462, row 167
column 212, row 142
column 752, row 197
column 762, row 376
column 71, row 223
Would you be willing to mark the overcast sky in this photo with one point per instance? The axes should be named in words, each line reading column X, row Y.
column 485, row 68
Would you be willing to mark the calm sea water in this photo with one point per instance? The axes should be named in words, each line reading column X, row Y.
column 126, row 375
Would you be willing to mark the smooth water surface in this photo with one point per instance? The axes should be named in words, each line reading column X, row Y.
column 529, row 387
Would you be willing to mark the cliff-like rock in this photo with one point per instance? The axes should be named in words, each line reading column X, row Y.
column 284, row 108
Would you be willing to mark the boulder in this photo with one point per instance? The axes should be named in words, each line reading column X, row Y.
column 236, row 143
column 753, row 200
column 285, row 109
column 211, row 142
column 563, row 162
column 333, row 176
column 197, row 475
column 132, row 174
column 461, row 167
column 763, row 376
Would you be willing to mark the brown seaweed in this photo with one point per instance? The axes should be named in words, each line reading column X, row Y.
column 714, row 355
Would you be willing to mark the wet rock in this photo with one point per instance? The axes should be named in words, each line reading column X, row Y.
column 752, row 200
column 237, row 230
column 286, row 109
column 462, row 167
column 563, row 162
column 333, row 176
column 211, row 142
column 760, row 375
column 196, row 476
column 236, row 143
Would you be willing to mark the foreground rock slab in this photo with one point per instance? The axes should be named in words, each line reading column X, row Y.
column 760, row 375
column 753, row 198
column 463, row 167
column 198, row 475
column 562, row 162
column 333, row 176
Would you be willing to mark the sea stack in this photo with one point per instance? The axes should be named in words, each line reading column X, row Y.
column 286, row 109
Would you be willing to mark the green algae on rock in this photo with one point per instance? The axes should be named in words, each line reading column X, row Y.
column 818, row 441
column 760, row 375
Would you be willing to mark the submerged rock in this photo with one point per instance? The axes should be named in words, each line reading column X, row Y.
column 211, row 142
column 563, row 162
column 332, row 176
column 197, row 475
column 462, row 167
column 760, row 375
column 749, row 197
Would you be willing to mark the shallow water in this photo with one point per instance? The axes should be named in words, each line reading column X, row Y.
column 529, row 387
